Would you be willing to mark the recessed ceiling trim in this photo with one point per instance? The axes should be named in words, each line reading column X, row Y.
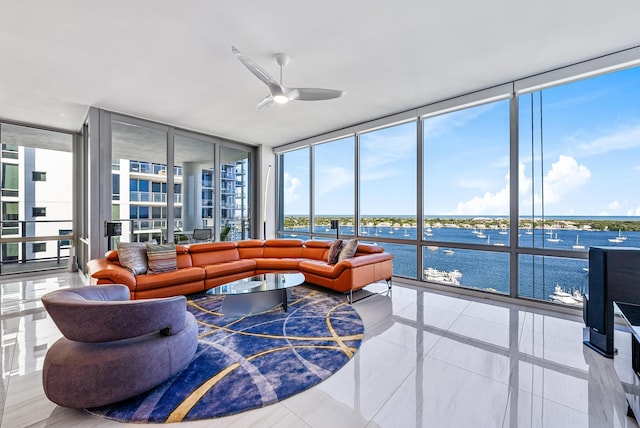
column 589, row 68
column 484, row 96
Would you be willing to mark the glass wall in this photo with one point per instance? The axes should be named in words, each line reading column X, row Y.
column 235, row 194
column 181, row 201
column 294, row 196
column 36, row 198
column 557, row 166
column 578, row 169
column 334, row 186
column 139, row 167
column 388, row 181
column 193, row 197
column 466, row 196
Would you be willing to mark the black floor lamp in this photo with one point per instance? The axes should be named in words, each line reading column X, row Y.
column 335, row 224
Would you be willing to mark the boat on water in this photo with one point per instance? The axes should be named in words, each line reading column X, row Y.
column 618, row 238
column 442, row 277
column 447, row 251
column 561, row 296
column 481, row 235
column 432, row 247
column 554, row 239
column 577, row 245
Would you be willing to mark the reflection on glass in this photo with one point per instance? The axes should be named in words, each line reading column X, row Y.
column 466, row 175
column 334, row 186
column 294, row 190
column 484, row 270
column 388, row 182
column 555, row 279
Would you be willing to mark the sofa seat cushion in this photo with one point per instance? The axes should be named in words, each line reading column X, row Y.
column 322, row 268
column 272, row 263
column 167, row 279
column 229, row 268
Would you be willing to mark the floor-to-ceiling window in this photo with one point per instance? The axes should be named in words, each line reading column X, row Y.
column 294, row 192
column 333, row 187
column 514, row 183
column 139, row 167
column 235, row 194
column 388, row 183
column 579, row 161
column 194, row 191
column 36, row 199
column 466, row 196
column 169, row 184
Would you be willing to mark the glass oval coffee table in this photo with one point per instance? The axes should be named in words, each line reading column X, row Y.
column 256, row 293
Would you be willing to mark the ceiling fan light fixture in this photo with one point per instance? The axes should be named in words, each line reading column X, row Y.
column 280, row 99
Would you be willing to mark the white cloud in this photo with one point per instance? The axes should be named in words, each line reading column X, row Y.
column 331, row 178
column 564, row 176
column 621, row 139
column 487, row 204
column 291, row 185
column 375, row 166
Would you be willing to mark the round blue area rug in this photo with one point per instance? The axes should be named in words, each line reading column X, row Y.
column 250, row 362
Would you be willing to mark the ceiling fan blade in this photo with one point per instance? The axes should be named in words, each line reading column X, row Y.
column 266, row 102
column 317, row 94
column 254, row 68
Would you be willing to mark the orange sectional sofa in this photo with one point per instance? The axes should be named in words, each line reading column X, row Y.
column 207, row 265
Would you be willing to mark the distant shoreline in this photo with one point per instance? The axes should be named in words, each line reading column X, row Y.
column 614, row 223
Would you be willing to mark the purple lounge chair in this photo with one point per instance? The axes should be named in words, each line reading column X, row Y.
column 114, row 348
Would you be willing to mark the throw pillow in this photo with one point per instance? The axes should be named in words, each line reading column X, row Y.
column 348, row 249
column 162, row 258
column 133, row 256
column 334, row 251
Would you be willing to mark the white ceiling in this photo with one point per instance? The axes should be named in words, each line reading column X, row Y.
column 171, row 61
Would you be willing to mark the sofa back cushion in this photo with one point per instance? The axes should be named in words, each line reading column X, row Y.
column 364, row 249
column 213, row 252
column 316, row 250
column 250, row 249
column 282, row 248
column 183, row 258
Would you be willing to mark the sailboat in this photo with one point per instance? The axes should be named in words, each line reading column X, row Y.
column 618, row 238
column 554, row 239
column 577, row 245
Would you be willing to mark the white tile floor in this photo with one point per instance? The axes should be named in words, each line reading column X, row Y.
column 428, row 359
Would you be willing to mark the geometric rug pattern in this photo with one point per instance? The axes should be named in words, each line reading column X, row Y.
column 249, row 362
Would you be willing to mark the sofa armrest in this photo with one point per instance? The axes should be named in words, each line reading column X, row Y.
column 109, row 272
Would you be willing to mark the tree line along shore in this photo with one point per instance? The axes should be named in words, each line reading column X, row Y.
column 291, row 222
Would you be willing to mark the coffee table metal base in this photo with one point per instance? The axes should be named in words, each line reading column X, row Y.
column 244, row 304
column 258, row 293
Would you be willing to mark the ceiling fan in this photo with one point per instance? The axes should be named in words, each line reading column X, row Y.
column 279, row 93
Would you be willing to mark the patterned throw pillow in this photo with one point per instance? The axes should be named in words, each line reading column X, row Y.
column 334, row 251
column 162, row 258
column 348, row 249
column 133, row 256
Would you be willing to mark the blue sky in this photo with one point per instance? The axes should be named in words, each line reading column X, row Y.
column 589, row 160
